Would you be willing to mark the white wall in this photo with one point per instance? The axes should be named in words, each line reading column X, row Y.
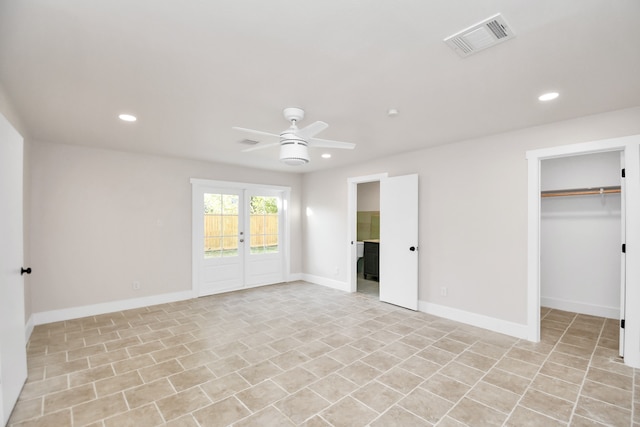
column 581, row 171
column 369, row 196
column 473, row 213
column 101, row 219
column 580, row 236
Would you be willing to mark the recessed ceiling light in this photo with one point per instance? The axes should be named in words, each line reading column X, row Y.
column 326, row 156
column 548, row 96
column 127, row 117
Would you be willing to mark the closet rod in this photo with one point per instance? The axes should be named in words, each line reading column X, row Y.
column 580, row 192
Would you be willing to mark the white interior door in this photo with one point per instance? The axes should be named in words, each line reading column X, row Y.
column 399, row 241
column 13, row 357
column 623, row 261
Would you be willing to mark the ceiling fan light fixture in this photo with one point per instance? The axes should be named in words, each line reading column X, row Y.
column 294, row 153
column 295, row 142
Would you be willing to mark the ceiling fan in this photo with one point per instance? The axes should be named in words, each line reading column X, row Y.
column 294, row 142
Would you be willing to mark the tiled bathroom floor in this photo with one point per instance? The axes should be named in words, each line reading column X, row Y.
column 370, row 288
column 301, row 354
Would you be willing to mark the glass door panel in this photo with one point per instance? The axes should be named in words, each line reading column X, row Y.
column 221, row 217
column 264, row 216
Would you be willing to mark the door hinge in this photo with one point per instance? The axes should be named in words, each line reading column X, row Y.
column 622, row 323
column 623, row 172
column 624, row 248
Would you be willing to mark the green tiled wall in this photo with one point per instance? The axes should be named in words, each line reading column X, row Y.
column 368, row 225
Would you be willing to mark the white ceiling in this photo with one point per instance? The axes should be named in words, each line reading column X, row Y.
column 190, row 70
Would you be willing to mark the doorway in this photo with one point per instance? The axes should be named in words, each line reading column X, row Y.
column 368, row 238
column 352, row 222
column 397, row 246
column 581, row 233
column 240, row 236
column 630, row 146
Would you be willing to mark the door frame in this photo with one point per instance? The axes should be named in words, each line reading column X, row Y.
column 623, row 262
column 630, row 145
column 352, row 225
column 197, row 185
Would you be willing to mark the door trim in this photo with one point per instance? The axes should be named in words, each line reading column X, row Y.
column 197, row 186
column 623, row 258
column 631, row 147
column 352, row 225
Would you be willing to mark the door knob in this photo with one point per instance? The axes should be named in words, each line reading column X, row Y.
column 23, row 270
column 241, row 240
column 412, row 248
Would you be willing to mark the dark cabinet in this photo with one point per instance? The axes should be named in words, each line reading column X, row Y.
column 371, row 259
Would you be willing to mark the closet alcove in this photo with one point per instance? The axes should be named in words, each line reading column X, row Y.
column 581, row 226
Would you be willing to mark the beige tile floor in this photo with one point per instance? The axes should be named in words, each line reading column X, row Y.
column 301, row 354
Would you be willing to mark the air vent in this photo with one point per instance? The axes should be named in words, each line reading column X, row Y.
column 480, row 36
column 248, row 142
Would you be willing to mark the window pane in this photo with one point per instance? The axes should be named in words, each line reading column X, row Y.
column 212, row 247
column 257, row 241
column 271, row 222
column 220, row 225
column 230, row 225
column 230, row 243
column 230, row 253
column 230, row 204
column 263, row 229
column 213, row 203
column 212, row 225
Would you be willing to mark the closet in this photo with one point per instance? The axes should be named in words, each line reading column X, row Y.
column 581, row 228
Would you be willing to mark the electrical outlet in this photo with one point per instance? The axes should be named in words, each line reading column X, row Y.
column 443, row 291
column 135, row 285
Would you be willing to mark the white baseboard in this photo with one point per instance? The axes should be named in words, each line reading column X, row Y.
column 497, row 325
column 295, row 277
column 479, row 320
column 578, row 307
column 330, row 283
column 110, row 307
column 28, row 328
column 107, row 307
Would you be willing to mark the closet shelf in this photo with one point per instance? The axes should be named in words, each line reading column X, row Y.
column 580, row 192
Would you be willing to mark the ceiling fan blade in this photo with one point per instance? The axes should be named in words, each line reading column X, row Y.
column 325, row 143
column 312, row 130
column 256, row 132
column 260, row 147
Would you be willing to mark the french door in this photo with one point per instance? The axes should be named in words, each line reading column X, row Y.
column 238, row 236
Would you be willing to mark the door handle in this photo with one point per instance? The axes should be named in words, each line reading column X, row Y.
column 241, row 240
column 23, row 270
column 412, row 248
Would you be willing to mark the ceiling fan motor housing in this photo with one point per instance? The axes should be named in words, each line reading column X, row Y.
column 293, row 150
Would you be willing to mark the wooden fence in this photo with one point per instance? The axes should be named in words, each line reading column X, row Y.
column 221, row 232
